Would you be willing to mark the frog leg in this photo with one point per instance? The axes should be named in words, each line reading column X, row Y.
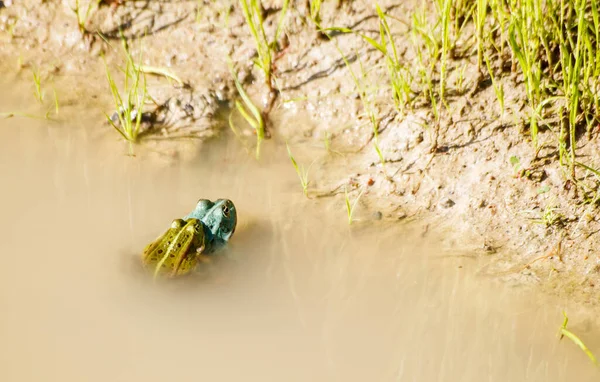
column 188, row 262
column 193, row 255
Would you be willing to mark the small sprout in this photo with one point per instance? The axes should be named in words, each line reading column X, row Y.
column 55, row 101
column 12, row 24
column 570, row 335
column 460, row 86
column 445, row 21
column 379, row 154
column 302, row 173
column 479, row 18
column 327, row 141
column 498, row 88
column 550, row 217
column 351, row 207
column 82, row 18
column 37, row 82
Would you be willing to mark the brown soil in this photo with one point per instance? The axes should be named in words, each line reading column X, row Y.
column 468, row 183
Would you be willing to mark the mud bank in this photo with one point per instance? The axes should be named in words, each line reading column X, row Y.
column 482, row 179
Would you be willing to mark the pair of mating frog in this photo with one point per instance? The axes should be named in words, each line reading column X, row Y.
column 203, row 231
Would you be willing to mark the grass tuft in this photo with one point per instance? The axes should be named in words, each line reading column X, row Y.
column 129, row 102
column 399, row 76
column 253, row 13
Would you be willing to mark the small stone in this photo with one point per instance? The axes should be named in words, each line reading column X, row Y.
column 488, row 248
column 448, row 203
column 419, row 138
column 377, row 215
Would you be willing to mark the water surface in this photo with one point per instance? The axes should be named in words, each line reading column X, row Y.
column 299, row 296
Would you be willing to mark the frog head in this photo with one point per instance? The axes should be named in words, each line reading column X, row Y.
column 221, row 220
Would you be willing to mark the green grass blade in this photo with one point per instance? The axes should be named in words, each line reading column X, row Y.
column 570, row 335
column 259, row 124
column 246, row 116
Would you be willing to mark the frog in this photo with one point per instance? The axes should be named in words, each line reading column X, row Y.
column 204, row 231
column 219, row 219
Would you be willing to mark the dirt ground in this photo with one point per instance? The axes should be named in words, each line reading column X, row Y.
column 523, row 216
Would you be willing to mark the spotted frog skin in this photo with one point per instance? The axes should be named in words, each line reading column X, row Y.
column 203, row 231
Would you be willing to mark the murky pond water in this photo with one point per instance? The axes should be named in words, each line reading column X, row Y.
column 299, row 296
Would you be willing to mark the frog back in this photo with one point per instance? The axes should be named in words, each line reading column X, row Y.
column 175, row 252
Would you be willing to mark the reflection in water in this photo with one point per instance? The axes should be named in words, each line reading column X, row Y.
column 298, row 295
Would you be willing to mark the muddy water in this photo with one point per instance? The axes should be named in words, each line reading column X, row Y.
column 299, row 295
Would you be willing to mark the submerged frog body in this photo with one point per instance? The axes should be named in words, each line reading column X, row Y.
column 203, row 231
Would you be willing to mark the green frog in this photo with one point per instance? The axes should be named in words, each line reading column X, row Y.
column 203, row 231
